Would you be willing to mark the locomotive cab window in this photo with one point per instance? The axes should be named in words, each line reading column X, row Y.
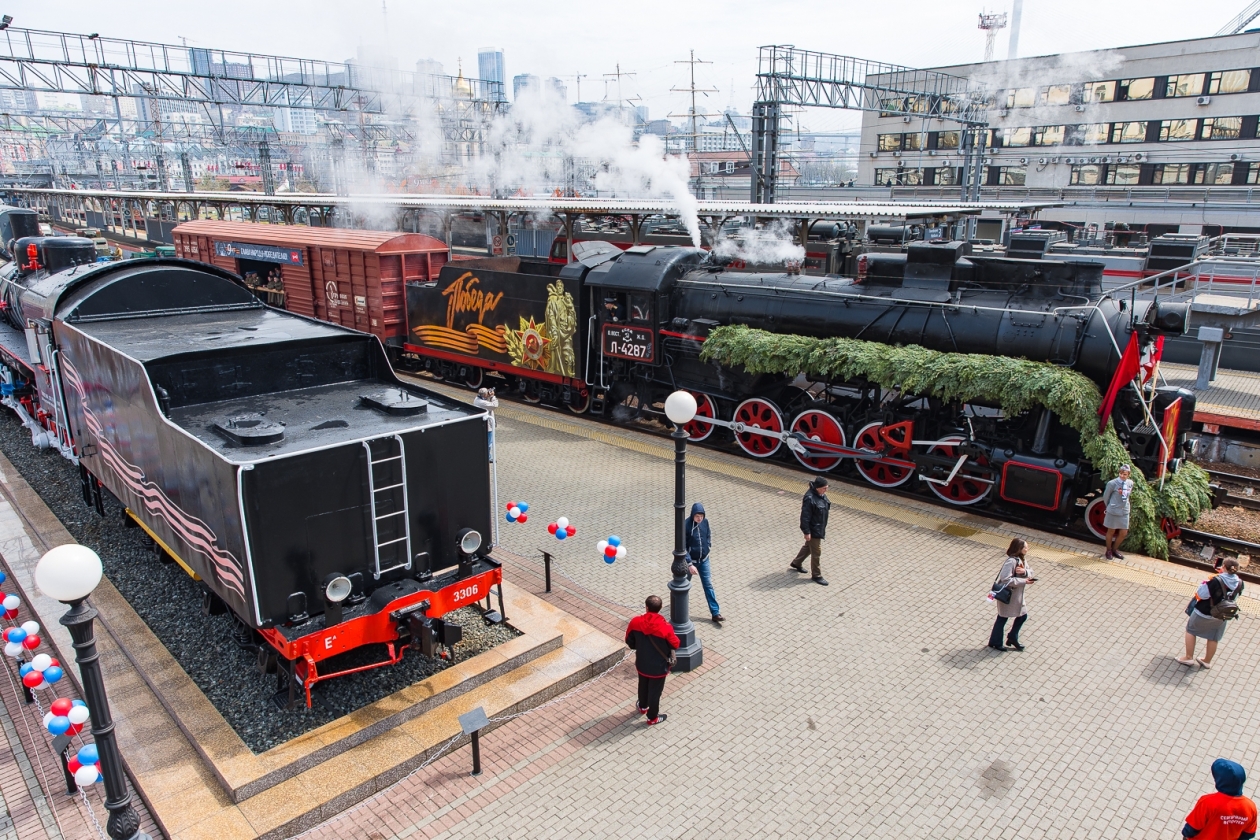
column 615, row 309
column 641, row 309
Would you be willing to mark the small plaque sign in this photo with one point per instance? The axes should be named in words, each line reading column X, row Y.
column 474, row 721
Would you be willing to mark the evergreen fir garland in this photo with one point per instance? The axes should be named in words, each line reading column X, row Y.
column 1016, row 385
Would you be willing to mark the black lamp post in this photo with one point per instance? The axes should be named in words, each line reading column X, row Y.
column 69, row 573
column 680, row 408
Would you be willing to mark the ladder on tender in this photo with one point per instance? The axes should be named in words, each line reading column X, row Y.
column 387, row 495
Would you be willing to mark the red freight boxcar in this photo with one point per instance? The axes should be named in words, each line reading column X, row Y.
column 355, row 278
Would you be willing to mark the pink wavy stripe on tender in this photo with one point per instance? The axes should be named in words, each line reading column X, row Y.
column 192, row 530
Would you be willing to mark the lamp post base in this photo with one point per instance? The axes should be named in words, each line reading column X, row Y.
column 690, row 652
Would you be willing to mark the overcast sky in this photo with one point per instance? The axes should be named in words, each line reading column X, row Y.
column 569, row 37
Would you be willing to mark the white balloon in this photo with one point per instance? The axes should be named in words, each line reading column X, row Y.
column 31, row 628
column 562, row 522
column 86, row 775
column 48, row 717
column 13, row 649
column 43, row 684
column 79, row 714
column 601, row 545
column 42, row 662
column 516, row 512
column 621, row 552
column 12, row 602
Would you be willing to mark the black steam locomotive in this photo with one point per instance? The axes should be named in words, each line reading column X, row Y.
column 276, row 458
column 615, row 332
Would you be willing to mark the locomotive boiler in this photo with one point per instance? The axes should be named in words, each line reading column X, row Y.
column 276, row 458
column 615, row 332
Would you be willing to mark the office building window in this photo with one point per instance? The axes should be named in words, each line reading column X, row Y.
column 889, row 142
column 1171, row 173
column 1253, row 173
column 1049, row 135
column 912, row 142
column 947, row 176
column 1174, row 130
column 1086, row 175
column 1213, row 174
column 1222, row 128
column 1133, row 89
column 1021, row 98
column 898, row 177
column 1128, row 132
column 1229, row 81
column 947, row 140
column 1016, row 137
column 1125, row 174
column 1089, row 135
column 1187, row 84
column 1010, row 176
column 1100, row 92
column 1058, row 95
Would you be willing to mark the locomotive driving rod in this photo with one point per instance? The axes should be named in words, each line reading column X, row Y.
column 798, row 443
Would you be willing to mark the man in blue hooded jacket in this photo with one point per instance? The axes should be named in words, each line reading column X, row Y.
column 696, row 534
column 1226, row 814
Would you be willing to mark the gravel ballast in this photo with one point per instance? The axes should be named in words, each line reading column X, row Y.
column 169, row 602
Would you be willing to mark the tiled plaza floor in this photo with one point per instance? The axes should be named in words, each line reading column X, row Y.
column 869, row 708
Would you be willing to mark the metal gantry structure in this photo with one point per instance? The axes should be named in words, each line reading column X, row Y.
column 788, row 76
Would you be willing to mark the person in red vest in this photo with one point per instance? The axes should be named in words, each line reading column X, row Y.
column 652, row 639
column 1226, row 814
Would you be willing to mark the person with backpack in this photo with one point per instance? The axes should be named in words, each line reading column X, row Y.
column 1215, row 602
column 1226, row 814
column 1008, row 594
column 653, row 640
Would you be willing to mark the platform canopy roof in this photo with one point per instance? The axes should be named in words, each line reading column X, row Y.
column 582, row 206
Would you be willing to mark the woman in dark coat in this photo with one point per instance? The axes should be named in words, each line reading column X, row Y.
column 1016, row 575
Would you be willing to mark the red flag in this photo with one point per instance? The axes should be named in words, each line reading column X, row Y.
column 1130, row 364
column 1157, row 353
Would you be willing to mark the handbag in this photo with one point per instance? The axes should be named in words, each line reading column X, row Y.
column 671, row 658
column 1004, row 594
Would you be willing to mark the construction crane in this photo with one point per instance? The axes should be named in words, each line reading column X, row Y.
column 1239, row 23
column 990, row 24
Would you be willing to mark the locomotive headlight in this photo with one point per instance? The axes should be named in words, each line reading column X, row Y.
column 337, row 588
column 469, row 541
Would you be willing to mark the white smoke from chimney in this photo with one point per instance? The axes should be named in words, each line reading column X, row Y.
column 1012, row 51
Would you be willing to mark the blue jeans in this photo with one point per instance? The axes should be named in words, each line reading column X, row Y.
column 706, row 581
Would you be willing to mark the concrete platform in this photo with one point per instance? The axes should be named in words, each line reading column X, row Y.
column 200, row 780
column 1233, row 400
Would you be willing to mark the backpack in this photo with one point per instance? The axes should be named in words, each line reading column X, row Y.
column 1226, row 609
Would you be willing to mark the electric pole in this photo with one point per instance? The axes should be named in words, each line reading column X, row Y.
column 693, row 90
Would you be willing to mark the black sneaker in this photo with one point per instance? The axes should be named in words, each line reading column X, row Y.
column 998, row 648
column 820, row 580
column 796, row 569
column 658, row 719
column 1014, row 645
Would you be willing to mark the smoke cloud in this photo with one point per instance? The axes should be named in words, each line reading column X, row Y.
column 775, row 244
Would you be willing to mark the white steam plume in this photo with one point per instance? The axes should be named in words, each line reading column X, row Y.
column 774, row 244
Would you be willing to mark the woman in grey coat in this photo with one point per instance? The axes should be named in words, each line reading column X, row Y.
column 1016, row 575
column 1116, row 501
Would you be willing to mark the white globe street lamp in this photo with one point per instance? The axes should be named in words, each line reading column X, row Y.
column 680, row 408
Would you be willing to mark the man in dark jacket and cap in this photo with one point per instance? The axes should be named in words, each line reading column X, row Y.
column 1226, row 814
column 814, row 510
column 698, row 542
column 652, row 639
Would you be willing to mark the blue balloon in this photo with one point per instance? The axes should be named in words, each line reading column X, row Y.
column 52, row 674
column 77, row 703
column 510, row 518
column 59, row 724
column 3, row 577
column 614, row 541
column 524, row 507
column 561, row 533
column 607, row 559
column 16, row 635
column 88, row 754
column 25, row 669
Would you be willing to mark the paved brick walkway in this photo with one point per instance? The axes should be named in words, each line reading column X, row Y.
column 870, row 708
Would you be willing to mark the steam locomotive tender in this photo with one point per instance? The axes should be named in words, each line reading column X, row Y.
column 615, row 332
column 276, row 458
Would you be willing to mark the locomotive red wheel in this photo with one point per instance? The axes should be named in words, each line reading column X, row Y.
column 1095, row 513
column 705, row 407
column 881, row 475
column 473, row 378
column 757, row 413
column 820, row 426
column 582, row 405
column 964, row 489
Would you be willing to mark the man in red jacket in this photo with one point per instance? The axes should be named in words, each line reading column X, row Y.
column 652, row 639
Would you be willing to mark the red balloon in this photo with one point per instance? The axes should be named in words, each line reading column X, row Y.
column 54, row 663
column 511, row 505
column 10, row 614
column 610, row 551
column 75, row 729
column 30, row 642
column 570, row 530
column 552, row 528
column 61, row 707
column 522, row 517
column 32, row 679
column 73, row 763
column 7, row 632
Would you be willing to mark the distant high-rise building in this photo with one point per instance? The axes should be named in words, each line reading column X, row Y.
column 429, row 67
column 295, row 121
column 19, row 100
column 559, row 88
column 525, row 81
column 491, row 68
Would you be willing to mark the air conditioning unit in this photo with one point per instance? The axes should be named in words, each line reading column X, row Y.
column 1080, row 108
column 931, row 152
column 988, row 161
column 1203, row 100
column 1235, row 156
column 874, row 154
column 1023, row 160
column 1138, row 155
column 896, row 154
column 1093, row 160
column 1122, row 159
column 1043, row 161
column 1003, row 114
column 1054, row 160
column 905, row 119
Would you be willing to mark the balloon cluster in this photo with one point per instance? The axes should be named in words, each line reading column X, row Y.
column 612, row 549
column 85, row 765
column 41, row 672
column 516, row 512
column 561, row 529
column 19, row 640
column 67, row 717
column 10, row 604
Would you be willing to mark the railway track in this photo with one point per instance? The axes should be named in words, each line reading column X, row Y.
column 1249, row 495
